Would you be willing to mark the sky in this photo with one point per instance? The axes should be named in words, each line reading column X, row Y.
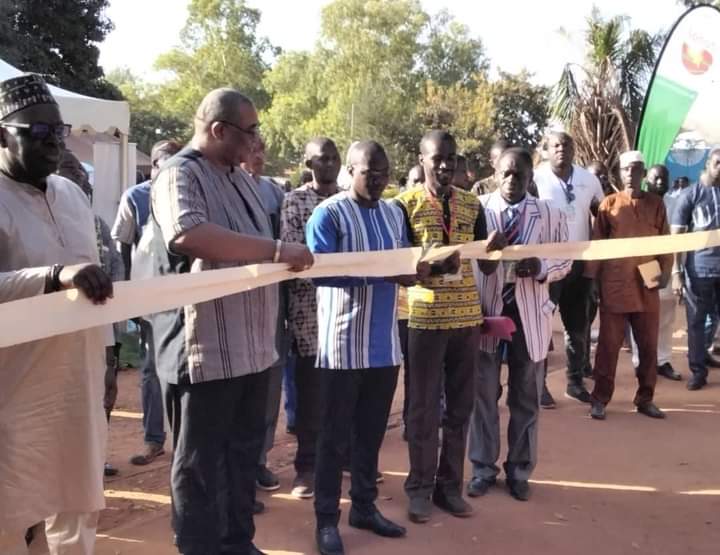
column 517, row 34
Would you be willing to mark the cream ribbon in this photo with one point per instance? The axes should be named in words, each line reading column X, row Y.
column 44, row 316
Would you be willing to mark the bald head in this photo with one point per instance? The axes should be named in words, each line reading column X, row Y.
column 315, row 146
column 436, row 137
column 369, row 169
column 361, row 152
column 220, row 105
column 226, row 127
column 560, row 149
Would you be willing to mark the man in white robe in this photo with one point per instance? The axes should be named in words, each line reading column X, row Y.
column 52, row 424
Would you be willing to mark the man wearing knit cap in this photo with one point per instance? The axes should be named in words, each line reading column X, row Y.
column 53, row 428
column 629, row 287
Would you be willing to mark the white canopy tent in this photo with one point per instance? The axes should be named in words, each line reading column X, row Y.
column 99, row 138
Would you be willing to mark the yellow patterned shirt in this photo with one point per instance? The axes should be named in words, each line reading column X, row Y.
column 443, row 302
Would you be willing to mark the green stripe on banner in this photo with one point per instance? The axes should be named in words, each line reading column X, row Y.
column 666, row 109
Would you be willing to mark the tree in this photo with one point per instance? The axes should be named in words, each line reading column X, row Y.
column 58, row 39
column 521, row 109
column 600, row 102
column 360, row 81
column 451, row 54
column 151, row 121
column 366, row 78
column 220, row 47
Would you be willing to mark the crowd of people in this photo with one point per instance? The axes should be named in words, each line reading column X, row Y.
column 215, row 370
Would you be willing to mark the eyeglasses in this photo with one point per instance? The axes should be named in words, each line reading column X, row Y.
column 253, row 131
column 41, row 131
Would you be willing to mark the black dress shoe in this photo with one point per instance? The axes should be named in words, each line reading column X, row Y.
column 651, row 410
column 546, row 399
column 479, row 486
column 377, row 523
column 329, row 541
column 669, row 372
column 519, row 489
column 419, row 509
column 577, row 392
column 255, row 551
column 597, row 410
column 453, row 504
column 696, row 383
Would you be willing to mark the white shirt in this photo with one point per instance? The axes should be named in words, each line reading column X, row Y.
column 585, row 188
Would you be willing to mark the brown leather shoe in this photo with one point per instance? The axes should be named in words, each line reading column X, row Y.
column 152, row 452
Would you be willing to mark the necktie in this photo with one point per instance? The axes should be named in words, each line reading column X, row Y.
column 511, row 229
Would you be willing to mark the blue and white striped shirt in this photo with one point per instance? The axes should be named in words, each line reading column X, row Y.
column 357, row 317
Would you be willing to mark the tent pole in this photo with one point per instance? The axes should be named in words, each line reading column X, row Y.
column 124, row 161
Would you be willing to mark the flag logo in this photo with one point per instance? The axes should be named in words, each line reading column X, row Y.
column 696, row 59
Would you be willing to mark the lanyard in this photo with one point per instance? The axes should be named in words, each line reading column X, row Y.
column 568, row 187
column 447, row 229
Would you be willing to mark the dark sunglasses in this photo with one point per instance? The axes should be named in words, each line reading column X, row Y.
column 41, row 131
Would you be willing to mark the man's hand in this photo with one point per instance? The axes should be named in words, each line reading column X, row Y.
column 496, row 241
column 297, row 256
column 422, row 272
column 451, row 265
column 528, row 267
column 678, row 282
column 91, row 279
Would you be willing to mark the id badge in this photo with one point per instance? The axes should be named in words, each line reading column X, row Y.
column 510, row 272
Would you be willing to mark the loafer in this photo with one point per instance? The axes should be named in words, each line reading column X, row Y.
column 546, row 399
column 453, row 504
column 329, row 541
column 651, row 410
column 266, row 480
column 419, row 510
column 694, row 384
column 377, row 523
column 109, row 470
column 303, row 486
column 577, row 392
column 152, row 452
column 477, row 487
column 519, row 489
column 669, row 372
column 597, row 410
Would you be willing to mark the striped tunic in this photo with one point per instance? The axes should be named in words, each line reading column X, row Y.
column 231, row 336
column 357, row 317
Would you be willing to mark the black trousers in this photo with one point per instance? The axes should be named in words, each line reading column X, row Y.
column 308, row 412
column 356, row 406
column 572, row 295
column 439, row 358
column 403, row 331
column 218, row 431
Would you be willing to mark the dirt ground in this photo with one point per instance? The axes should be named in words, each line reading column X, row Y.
column 628, row 485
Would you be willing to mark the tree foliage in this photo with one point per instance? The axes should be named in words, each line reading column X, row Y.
column 220, row 47
column 600, row 102
column 151, row 121
column 57, row 39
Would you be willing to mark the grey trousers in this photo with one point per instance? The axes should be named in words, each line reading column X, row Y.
column 272, row 411
column 525, row 384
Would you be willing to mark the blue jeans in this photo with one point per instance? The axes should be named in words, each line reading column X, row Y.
column 151, row 393
column 289, row 388
column 702, row 301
